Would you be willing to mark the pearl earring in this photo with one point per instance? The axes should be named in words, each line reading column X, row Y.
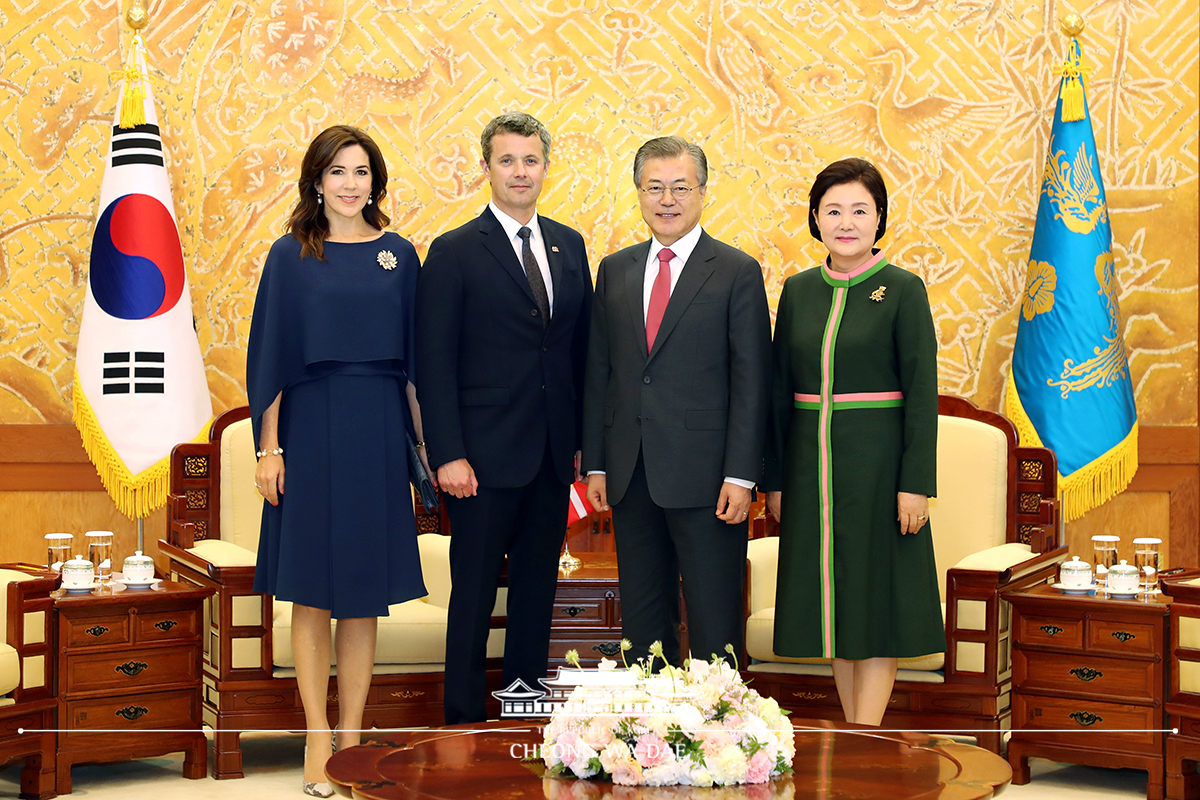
column 370, row 200
column 320, row 198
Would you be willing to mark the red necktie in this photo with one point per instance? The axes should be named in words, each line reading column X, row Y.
column 660, row 293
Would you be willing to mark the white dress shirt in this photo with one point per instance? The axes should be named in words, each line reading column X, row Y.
column 536, row 243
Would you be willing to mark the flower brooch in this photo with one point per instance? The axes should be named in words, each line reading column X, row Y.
column 386, row 259
column 876, row 295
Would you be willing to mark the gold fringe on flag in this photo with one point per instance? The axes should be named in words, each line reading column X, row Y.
column 1089, row 486
column 135, row 78
column 135, row 495
column 1073, row 72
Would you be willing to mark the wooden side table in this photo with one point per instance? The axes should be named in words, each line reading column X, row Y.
column 1089, row 681
column 587, row 612
column 129, row 676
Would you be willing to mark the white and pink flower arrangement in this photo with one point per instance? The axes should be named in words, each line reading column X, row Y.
column 699, row 725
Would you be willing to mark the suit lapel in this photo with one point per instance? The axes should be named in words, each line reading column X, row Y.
column 554, row 255
column 695, row 272
column 635, row 282
column 498, row 245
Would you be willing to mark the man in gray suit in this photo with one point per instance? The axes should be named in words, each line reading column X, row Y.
column 675, row 408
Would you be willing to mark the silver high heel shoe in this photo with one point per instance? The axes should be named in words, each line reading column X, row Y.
column 312, row 788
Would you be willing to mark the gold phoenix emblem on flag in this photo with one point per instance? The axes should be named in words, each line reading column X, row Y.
column 386, row 259
column 1074, row 191
column 1110, row 363
column 877, row 295
column 1040, row 281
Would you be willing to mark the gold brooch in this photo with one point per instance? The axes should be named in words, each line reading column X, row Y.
column 877, row 295
column 386, row 259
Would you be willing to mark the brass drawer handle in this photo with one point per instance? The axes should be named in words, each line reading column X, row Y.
column 573, row 611
column 607, row 648
column 1122, row 636
column 131, row 668
column 1052, row 630
column 166, row 625
column 132, row 712
column 96, row 630
column 408, row 694
column 1087, row 674
column 1085, row 718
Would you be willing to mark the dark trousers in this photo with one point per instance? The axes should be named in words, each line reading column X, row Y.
column 656, row 548
column 527, row 525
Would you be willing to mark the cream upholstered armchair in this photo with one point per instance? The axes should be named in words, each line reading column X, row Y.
column 248, row 667
column 994, row 526
column 27, row 703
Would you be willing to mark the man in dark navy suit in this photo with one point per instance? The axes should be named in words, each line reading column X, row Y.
column 503, row 311
column 676, row 410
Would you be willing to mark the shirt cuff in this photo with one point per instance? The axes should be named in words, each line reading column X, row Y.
column 740, row 482
column 597, row 472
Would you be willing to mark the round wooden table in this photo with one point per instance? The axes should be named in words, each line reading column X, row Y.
column 485, row 762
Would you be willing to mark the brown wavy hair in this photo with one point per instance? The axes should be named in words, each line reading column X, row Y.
column 308, row 222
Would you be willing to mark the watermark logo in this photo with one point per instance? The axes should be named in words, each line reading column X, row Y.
column 613, row 691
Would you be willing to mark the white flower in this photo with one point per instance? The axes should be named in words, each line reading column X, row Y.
column 729, row 765
column 387, row 259
column 607, row 664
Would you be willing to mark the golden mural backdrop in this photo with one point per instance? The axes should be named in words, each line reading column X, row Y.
column 951, row 99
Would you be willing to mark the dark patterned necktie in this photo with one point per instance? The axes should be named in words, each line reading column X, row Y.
column 534, row 273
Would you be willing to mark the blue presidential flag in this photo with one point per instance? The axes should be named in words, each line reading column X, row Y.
column 140, row 387
column 1070, row 388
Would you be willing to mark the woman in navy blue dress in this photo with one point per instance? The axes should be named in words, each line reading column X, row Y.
column 331, row 379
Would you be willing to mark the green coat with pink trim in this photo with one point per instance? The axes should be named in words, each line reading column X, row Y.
column 854, row 421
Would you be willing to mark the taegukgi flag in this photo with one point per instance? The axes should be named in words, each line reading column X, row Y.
column 1070, row 387
column 140, row 387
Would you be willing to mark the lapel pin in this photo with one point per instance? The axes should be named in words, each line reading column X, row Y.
column 877, row 295
column 553, row 248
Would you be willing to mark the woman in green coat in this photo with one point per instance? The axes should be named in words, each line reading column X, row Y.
column 851, row 460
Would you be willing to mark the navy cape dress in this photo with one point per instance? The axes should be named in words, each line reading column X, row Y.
column 336, row 338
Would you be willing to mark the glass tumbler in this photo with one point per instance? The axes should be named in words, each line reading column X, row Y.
column 100, row 544
column 1104, row 555
column 1145, row 558
column 58, row 549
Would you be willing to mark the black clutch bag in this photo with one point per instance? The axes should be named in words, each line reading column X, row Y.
column 420, row 478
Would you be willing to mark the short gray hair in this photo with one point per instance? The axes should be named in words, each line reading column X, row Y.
column 669, row 147
column 517, row 122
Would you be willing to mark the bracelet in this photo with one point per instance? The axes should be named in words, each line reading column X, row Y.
column 419, row 444
column 278, row 451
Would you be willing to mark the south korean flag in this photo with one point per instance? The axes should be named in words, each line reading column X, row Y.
column 140, row 386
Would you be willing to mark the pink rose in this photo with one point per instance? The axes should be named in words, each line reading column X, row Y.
column 759, row 768
column 627, row 774
column 650, row 750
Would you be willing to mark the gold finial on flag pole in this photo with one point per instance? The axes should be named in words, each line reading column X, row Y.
column 1072, row 71
column 137, row 16
column 133, row 108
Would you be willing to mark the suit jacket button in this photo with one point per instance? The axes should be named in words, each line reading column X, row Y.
column 646, row 379
column 533, row 313
column 639, row 419
column 544, row 349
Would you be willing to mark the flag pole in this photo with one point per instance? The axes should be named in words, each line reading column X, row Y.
column 141, row 534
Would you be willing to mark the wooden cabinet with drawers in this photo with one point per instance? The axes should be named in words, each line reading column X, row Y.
column 129, row 676
column 587, row 612
column 1089, row 681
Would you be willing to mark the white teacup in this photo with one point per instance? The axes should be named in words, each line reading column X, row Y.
column 1075, row 574
column 78, row 573
column 1123, row 578
column 138, row 568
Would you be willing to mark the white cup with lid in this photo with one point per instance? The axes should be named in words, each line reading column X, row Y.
column 138, row 568
column 1123, row 578
column 78, row 573
column 1075, row 574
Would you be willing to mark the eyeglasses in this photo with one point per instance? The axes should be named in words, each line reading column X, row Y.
column 679, row 192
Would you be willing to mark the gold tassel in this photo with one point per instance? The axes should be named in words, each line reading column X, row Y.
column 1090, row 486
column 1071, row 92
column 134, row 495
column 133, row 104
